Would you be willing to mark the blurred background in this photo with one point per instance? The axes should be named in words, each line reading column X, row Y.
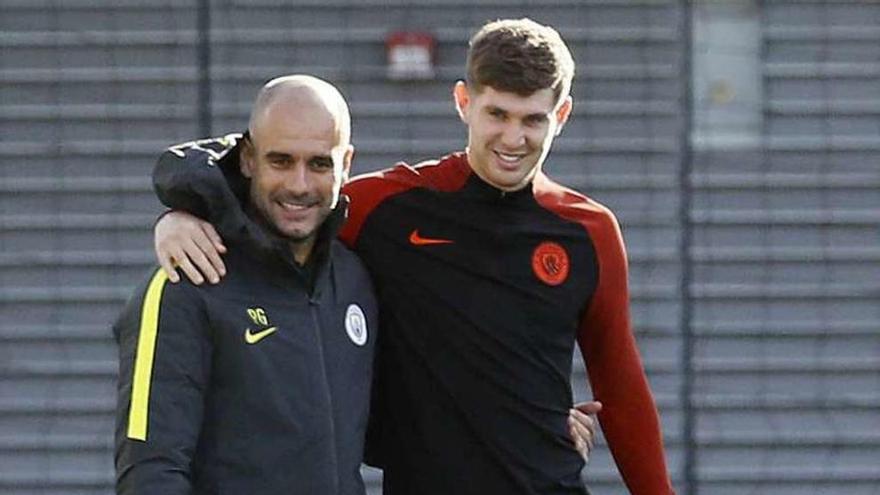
column 738, row 141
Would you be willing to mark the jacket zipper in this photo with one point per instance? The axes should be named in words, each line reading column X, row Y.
column 313, row 304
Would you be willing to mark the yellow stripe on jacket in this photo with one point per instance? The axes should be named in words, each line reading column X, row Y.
column 138, row 413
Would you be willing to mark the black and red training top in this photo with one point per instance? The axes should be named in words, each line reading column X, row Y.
column 483, row 294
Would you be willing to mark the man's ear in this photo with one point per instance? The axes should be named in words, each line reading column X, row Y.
column 563, row 113
column 462, row 97
column 246, row 158
column 346, row 163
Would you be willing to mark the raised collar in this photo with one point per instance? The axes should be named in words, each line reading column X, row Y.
column 478, row 188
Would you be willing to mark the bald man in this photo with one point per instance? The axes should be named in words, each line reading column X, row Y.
column 259, row 384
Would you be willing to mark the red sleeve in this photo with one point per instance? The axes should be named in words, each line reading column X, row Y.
column 629, row 416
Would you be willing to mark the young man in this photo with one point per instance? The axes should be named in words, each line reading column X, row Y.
column 259, row 384
column 487, row 273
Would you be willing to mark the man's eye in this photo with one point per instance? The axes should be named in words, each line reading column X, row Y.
column 322, row 164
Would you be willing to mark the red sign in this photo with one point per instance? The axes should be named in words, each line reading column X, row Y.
column 410, row 55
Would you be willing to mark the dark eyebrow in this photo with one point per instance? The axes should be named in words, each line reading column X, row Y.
column 277, row 155
column 322, row 159
column 536, row 117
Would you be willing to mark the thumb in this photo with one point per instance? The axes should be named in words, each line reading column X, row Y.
column 589, row 407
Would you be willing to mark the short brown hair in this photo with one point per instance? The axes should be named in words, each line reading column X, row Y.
column 519, row 56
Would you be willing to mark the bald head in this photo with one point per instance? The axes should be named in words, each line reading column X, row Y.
column 297, row 157
column 302, row 95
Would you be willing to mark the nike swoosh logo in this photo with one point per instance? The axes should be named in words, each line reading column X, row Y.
column 416, row 240
column 253, row 338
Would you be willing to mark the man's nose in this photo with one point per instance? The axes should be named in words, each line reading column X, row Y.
column 298, row 178
column 513, row 136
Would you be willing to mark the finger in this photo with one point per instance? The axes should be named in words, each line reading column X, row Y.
column 200, row 260
column 209, row 249
column 583, row 429
column 580, row 443
column 581, row 448
column 575, row 437
column 166, row 261
column 215, row 238
column 189, row 269
column 582, row 426
column 580, row 418
column 167, row 264
column 584, row 434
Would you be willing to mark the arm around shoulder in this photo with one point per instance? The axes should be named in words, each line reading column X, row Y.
column 190, row 177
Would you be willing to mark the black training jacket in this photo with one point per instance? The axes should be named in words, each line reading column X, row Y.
column 257, row 385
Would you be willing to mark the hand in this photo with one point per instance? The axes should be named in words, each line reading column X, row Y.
column 582, row 426
column 181, row 239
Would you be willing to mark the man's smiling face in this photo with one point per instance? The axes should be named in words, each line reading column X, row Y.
column 296, row 166
column 509, row 135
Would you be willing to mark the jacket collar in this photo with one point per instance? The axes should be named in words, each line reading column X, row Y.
column 478, row 188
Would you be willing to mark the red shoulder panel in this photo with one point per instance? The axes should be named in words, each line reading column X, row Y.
column 368, row 191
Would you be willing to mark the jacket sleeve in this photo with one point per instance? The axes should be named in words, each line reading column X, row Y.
column 629, row 416
column 164, row 369
column 202, row 178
